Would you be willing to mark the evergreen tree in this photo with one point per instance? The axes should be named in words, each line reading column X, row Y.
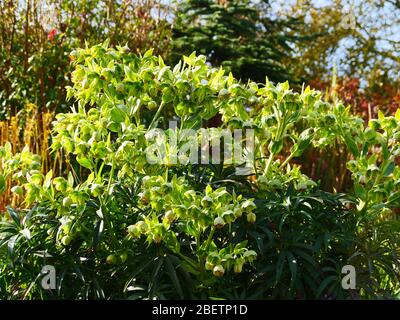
column 237, row 34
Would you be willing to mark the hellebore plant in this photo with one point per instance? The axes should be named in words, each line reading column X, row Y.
column 116, row 216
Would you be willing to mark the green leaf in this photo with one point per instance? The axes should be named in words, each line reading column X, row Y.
column 397, row 115
column 325, row 283
column 26, row 233
column 174, row 278
column 2, row 184
column 148, row 53
column 85, row 162
column 279, row 266
column 117, row 115
column 47, row 180
column 276, row 146
column 351, row 144
column 14, row 215
column 98, row 231
column 388, row 168
column 167, row 95
column 360, row 191
column 70, row 179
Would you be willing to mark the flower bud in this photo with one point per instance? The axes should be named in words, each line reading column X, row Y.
column 238, row 267
column 112, row 259
column 248, row 206
column 96, row 190
column 251, row 217
column 169, row 216
column 134, row 231
column 206, row 201
column 219, row 223
column 17, row 190
column 218, row 271
column 66, row 240
column 67, row 202
column 238, row 212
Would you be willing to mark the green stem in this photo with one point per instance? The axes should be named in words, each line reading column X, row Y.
column 156, row 116
column 210, row 236
column 287, row 160
column 271, row 157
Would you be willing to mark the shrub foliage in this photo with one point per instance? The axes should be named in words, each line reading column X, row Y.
column 118, row 226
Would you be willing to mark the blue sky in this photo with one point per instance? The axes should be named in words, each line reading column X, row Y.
column 372, row 18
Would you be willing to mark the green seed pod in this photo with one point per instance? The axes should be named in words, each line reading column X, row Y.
column 386, row 211
column 93, row 113
column 228, row 216
column 269, row 121
column 253, row 100
column 142, row 226
column 250, row 255
column 179, row 211
column 396, row 136
column 82, row 148
column 275, row 146
column 85, row 84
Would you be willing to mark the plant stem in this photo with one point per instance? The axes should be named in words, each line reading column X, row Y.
column 210, row 236
column 287, row 160
column 271, row 157
column 156, row 116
